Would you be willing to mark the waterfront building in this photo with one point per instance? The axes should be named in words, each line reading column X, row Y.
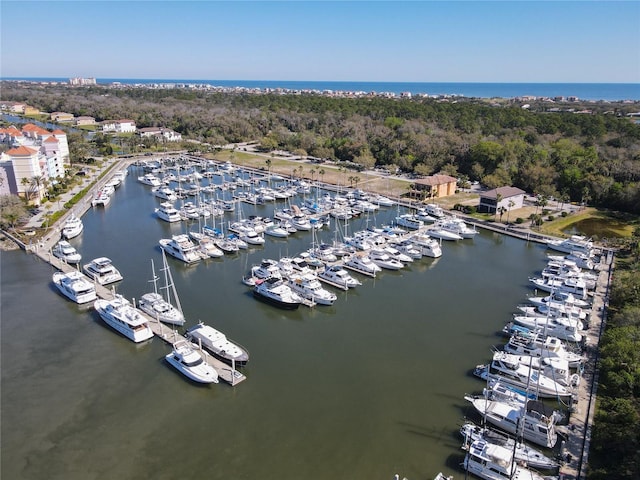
column 435, row 186
column 508, row 198
column 119, row 126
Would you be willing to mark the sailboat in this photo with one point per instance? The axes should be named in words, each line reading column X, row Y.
column 158, row 306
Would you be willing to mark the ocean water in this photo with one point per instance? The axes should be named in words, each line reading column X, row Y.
column 585, row 91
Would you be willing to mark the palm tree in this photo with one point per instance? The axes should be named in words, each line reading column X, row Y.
column 499, row 198
column 25, row 182
column 321, row 172
column 511, row 205
column 268, row 162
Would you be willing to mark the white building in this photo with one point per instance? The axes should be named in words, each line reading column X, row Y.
column 508, row 198
column 118, row 126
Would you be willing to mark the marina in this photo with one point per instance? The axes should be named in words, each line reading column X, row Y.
column 357, row 305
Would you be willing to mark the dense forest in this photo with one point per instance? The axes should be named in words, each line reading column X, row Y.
column 586, row 154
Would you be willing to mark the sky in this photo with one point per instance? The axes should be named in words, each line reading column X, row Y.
column 397, row 41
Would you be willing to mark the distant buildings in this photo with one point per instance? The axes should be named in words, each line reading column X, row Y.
column 118, row 126
column 160, row 133
column 37, row 157
column 82, row 81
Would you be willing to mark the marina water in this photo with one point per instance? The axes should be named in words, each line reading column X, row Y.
column 364, row 389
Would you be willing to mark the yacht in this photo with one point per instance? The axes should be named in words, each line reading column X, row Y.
column 337, row 276
column 434, row 210
column 384, row 260
column 181, row 247
column 123, row 317
column 560, row 297
column 188, row 361
column 157, row 306
column 72, row 227
column 410, row 221
column 437, row 230
column 218, row 344
column 396, row 254
column 101, row 270
column 568, row 285
column 208, row 248
column 276, row 230
column 361, row 263
column 430, row 246
column 542, row 346
column 566, row 333
column 150, row 179
column 102, row 198
column 308, row 286
column 458, row 226
column 167, row 212
column 276, row 292
column 492, row 461
column 165, row 193
column 66, row 252
column 575, row 243
column 75, row 286
column 525, row 420
column 407, row 247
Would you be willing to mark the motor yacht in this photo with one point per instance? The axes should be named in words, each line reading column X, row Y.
column 361, row 263
column 66, row 252
column 157, row 307
column 276, row 230
column 181, row 247
column 430, row 246
column 101, row 270
column 167, row 212
column 437, row 230
column 409, row 220
column 542, row 346
column 75, row 286
column 218, row 344
column 384, row 260
column 188, row 361
column 575, row 243
column 308, row 286
column 150, row 179
column 276, row 292
column 123, row 317
column 102, row 199
column 527, row 420
column 492, row 461
column 72, row 227
column 458, row 226
column 165, row 193
column 337, row 276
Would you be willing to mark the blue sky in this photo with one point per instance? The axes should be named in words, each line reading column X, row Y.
column 414, row 41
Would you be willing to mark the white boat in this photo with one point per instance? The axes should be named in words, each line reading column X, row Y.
column 434, row 210
column 526, row 422
column 218, row 344
column 542, row 346
column 188, row 361
column 568, row 285
column 396, row 254
column 575, row 243
column 165, row 193
column 75, row 286
column 66, row 252
column 276, row 230
column 208, row 248
column 522, row 452
column 181, row 247
column 102, row 198
column 267, row 268
column 560, row 297
column 508, row 369
column 408, row 248
column 159, row 307
column 150, row 179
column 123, row 317
column 430, row 246
column 338, row 276
column 492, row 461
column 167, row 212
column 384, row 260
column 276, row 292
column 251, row 237
column 72, row 227
column 101, row 270
column 582, row 260
column 548, row 322
column 308, row 286
column 382, row 201
column 438, row 231
column 458, row 226
column 361, row 263
column 410, row 221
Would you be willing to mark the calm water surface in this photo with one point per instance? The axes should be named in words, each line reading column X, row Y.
column 369, row 387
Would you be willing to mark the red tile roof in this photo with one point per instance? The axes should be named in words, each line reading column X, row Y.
column 22, row 150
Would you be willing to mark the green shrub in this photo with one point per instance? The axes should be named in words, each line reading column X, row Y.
column 519, row 220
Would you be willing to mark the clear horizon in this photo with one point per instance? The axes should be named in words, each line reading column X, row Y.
column 412, row 41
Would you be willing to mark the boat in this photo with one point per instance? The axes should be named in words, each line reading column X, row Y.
column 407, row 247
column 522, row 452
column 218, row 344
column 582, row 260
column 458, row 226
column 165, row 193
column 560, row 297
column 167, row 212
column 384, row 260
column 188, row 361
column 434, row 210
column 159, row 307
column 577, row 287
column 542, row 346
column 396, row 254
column 276, row 292
column 72, row 227
column 437, row 230
column 75, row 286
column 510, row 370
column 575, row 243
column 430, row 246
column 361, row 263
column 308, row 286
column 276, row 230
column 150, row 179
column 66, row 252
column 337, row 276
column 101, row 270
column 550, row 323
column 102, row 198
column 123, row 317
column 409, row 220
column 492, row 461
column 181, row 247
column 526, row 421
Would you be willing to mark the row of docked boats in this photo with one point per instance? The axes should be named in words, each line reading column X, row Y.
column 103, row 196
column 540, row 360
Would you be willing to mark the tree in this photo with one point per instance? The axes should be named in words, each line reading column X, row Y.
column 321, row 172
column 498, row 200
column 511, row 204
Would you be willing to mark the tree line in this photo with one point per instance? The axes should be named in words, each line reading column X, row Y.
column 580, row 157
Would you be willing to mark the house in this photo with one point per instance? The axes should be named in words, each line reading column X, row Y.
column 435, row 186
column 161, row 133
column 61, row 117
column 84, row 120
column 29, row 110
column 12, row 107
column 25, row 162
column 508, row 198
column 118, row 126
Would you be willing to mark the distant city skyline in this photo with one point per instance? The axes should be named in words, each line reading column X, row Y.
column 413, row 41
